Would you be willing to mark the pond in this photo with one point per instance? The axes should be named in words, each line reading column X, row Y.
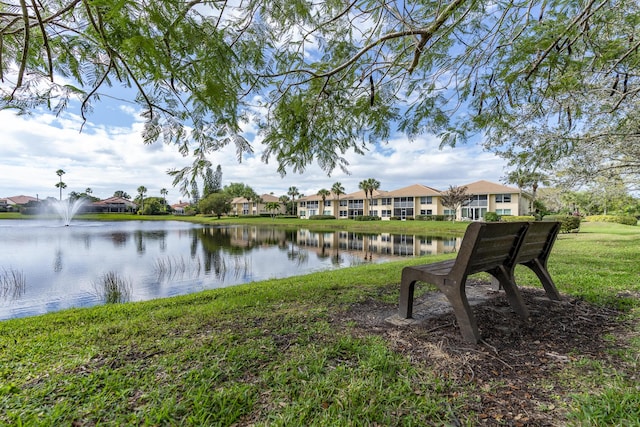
column 46, row 266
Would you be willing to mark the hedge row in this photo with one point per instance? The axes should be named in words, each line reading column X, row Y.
column 367, row 218
column 619, row 219
column 322, row 217
column 568, row 223
column 516, row 218
column 434, row 218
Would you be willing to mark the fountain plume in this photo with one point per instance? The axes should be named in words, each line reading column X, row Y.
column 67, row 209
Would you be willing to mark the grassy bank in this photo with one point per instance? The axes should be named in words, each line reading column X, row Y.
column 270, row 353
column 433, row 228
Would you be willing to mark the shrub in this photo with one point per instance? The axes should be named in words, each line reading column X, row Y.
column 491, row 217
column 29, row 211
column 366, row 218
column 430, row 218
column 619, row 219
column 322, row 217
column 568, row 223
column 516, row 218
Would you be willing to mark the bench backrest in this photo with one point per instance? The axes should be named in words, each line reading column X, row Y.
column 539, row 241
column 487, row 246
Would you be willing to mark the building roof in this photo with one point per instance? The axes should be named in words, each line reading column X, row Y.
column 312, row 197
column 114, row 201
column 416, row 190
column 487, row 187
column 266, row 198
column 21, row 200
column 180, row 205
column 360, row 194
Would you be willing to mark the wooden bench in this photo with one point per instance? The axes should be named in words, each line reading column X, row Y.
column 494, row 248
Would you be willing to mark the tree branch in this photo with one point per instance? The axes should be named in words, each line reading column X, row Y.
column 45, row 39
column 25, row 46
column 426, row 33
column 576, row 20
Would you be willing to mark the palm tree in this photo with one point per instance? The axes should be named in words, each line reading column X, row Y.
column 284, row 199
column 60, row 184
column 164, row 193
column 524, row 178
column 364, row 186
column 88, row 191
column 337, row 189
column 369, row 185
column 323, row 193
column 142, row 191
column 373, row 185
column 293, row 192
column 272, row 208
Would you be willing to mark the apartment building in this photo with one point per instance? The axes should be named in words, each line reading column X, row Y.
column 241, row 206
column 415, row 200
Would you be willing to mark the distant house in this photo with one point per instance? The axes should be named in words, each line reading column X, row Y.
column 15, row 202
column 113, row 205
column 241, row 206
column 179, row 207
column 21, row 200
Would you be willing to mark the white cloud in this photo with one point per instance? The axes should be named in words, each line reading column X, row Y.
column 110, row 158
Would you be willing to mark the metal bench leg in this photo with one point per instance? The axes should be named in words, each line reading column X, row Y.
column 545, row 279
column 512, row 292
column 407, row 287
column 464, row 315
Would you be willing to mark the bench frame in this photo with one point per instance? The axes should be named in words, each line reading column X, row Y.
column 494, row 248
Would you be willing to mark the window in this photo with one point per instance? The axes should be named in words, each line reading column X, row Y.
column 386, row 201
column 426, row 212
column 356, row 204
column 343, row 214
column 403, row 202
column 503, row 211
column 503, row 198
column 449, row 212
column 427, row 200
column 477, row 200
column 327, row 202
column 303, row 204
column 386, row 213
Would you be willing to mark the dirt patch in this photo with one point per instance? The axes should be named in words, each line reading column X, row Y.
column 516, row 363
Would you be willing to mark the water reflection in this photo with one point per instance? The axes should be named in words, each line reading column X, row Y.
column 63, row 266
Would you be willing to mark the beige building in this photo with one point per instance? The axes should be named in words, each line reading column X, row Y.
column 416, row 200
column 241, row 206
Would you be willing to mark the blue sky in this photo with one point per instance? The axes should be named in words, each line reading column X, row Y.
column 109, row 155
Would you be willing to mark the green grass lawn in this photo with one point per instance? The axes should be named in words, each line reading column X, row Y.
column 267, row 353
column 433, row 228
